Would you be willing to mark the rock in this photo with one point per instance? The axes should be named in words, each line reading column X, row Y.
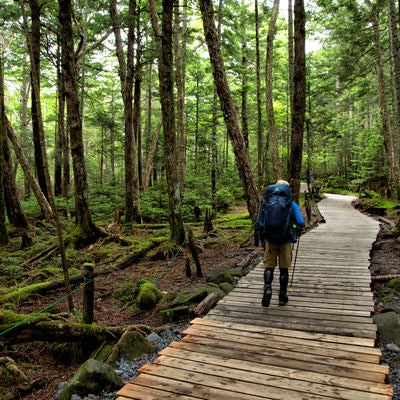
column 388, row 326
column 219, row 275
column 130, row 346
column 226, row 287
column 92, row 377
column 392, row 347
column 195, row 296
column 148, row 295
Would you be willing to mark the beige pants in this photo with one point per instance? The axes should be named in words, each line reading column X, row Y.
column 274, row 251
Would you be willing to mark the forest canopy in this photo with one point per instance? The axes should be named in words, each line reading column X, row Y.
column 124, row 100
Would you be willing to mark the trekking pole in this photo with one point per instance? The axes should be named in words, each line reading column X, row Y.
column 294, row 264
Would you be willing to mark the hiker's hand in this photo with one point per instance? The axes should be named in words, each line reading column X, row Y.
column 301, row 230
column 262, row 245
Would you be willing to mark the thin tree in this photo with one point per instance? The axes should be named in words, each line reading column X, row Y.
column 299, row 98
column 260, row 159
column 228, row 109
column 166, row 78
column 33, row 42
column 180, row 40
column 272, row 131
column 4, row 239
column 126, row 75
column 28, row 173
column 393, row 138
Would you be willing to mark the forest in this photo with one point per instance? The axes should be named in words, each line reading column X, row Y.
column 193, row 104
column 136, row 127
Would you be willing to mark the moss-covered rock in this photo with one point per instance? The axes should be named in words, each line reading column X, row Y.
column 93, row 377
column 219, row 275
column 130, row 346
column 148, row 295
column 226, row 287
column 197, row 295
column 236, row 272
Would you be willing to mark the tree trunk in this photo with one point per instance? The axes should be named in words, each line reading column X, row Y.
column 8, row 188
column 388, row 135
column 150, row 156
column 15, row 213
column 33, row 40
column 41, row 199
column 3, row 137
column 60, row 132
column 229, row 110
column 88, row 231
column 165, row 73
column 126, row 75
column 180, row 64
column 299, row 99
column 260, row 145
column 395, row 50
column 244, row 88
column 272, row 132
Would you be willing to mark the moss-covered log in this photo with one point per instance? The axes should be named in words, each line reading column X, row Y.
column 18, row 328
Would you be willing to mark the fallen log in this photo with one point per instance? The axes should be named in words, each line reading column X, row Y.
column 383, row 278
column 207, row 304
column 248, row 261
column 17, row 328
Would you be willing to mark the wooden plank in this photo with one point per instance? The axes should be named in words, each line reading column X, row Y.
column 171, row 387
column 342, row 315
column 295, row 333
column 300, row 381
column 137, row 392
column 362, row 330
column 300, row 307
column 234, row 387
column 288, row 344
column 282, row 352
column 360, row 349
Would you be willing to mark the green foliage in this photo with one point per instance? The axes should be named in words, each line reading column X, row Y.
column 225, row 198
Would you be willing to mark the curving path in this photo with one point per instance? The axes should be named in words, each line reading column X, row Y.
column 319, row 346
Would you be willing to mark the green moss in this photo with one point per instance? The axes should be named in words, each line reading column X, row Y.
column 148, row 296
column 25, row 292
column 394, row 284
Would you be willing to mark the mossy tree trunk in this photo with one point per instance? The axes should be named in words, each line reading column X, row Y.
column 3, row 137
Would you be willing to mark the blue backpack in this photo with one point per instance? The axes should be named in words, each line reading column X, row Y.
column 274, row 222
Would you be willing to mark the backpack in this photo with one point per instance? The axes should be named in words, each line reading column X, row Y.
column 276, row 215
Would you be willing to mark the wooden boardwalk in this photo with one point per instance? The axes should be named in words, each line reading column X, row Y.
column 318, row 346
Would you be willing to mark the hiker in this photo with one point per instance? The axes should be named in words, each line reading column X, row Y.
column 278, row 219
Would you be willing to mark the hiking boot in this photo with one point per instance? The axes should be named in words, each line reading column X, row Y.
column 268, row 277
column 267, row 296
column 283, row 281
column 283, row 299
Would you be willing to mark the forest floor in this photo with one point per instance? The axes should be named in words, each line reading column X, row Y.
column 45, row 373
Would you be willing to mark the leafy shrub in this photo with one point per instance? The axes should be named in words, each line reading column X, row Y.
column 225, row 199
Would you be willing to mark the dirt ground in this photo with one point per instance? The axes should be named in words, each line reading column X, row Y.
column 45, row 373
